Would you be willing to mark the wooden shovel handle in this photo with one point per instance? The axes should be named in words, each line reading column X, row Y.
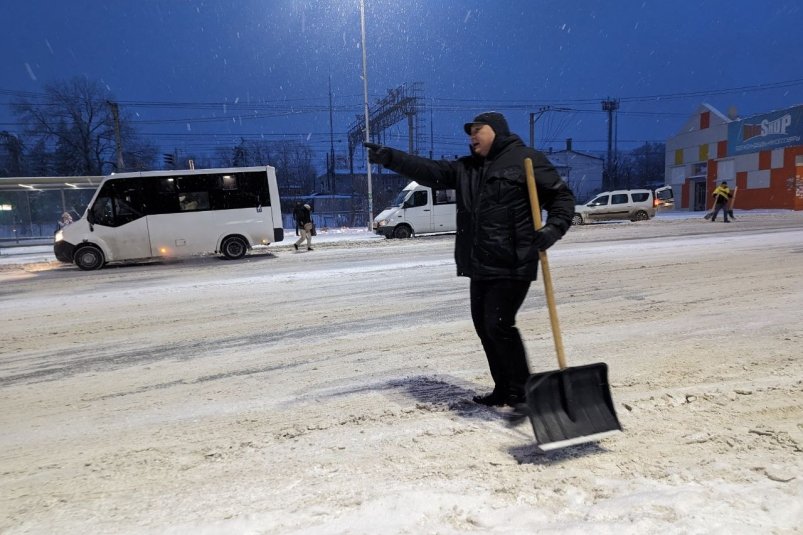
column 550, row 294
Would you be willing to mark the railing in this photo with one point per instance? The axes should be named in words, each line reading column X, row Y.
column 25, row 241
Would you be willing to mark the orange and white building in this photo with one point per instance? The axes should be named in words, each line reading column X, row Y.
column 761, row 155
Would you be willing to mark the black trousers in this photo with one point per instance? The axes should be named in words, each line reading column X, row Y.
column 720, row 206
column 494, row 305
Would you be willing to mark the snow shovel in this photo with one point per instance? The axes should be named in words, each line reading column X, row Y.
column 710, row 214
column 571, row 405
column 733, row 201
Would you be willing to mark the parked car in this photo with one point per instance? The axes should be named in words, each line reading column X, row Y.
column 631, row 204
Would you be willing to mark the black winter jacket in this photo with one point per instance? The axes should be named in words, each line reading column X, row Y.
column 494, row 222
column 302, row 216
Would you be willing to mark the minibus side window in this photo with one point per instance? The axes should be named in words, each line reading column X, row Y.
column 102, row 212
column 193, row 192
column 419, row 198
column 445, row 196
column 161, row 195
column 246, row 190
column 119, row 202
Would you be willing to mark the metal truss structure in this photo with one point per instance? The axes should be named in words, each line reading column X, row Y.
column 403, row 102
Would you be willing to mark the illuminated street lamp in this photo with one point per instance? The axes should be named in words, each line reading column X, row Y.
column 365, row 102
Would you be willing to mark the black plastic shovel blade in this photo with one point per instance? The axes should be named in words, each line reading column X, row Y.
column 571, row 406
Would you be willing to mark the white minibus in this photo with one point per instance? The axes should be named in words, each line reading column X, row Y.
column 418, row 210
column 135, row 216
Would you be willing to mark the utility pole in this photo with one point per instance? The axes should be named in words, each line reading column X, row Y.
column 367, row 117
column 534, row 116
column 610, row 105
column 330, row 169
column 117, row 139
column 431, row 136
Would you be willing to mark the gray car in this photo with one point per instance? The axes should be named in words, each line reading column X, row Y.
column 629, row 205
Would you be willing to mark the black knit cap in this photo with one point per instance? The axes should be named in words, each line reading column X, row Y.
column 493, row 119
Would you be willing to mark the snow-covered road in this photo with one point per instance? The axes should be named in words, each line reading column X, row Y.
column 328, row 392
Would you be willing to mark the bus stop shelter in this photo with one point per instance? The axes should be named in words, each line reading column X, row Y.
column 31, row 206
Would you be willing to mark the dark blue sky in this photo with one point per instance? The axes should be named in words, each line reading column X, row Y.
column 198, row 73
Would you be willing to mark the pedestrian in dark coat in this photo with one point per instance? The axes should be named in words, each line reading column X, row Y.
column 304, row 226
column 496, row 244
column 298, row 214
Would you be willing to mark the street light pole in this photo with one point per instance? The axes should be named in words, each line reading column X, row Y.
column 365, row 102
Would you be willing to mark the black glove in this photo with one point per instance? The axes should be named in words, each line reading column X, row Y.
column 546, row 237
column 378, row 153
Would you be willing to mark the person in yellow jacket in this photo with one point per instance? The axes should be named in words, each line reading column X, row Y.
column 722, row 195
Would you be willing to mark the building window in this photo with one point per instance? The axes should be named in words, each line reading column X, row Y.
column 705, row 120
column 703, row 152
column 699, row 169
column 678, row 175
column 726, row 170
column 764, row 160
column 722, row 149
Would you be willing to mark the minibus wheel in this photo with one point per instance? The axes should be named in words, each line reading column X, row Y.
column 234, row 248
column 89, row 257
column 402, row 232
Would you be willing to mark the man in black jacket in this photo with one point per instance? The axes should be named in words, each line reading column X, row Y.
column 496, row 244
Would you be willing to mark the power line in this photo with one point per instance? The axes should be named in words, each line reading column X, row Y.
column 444, row 102
column 240, row 111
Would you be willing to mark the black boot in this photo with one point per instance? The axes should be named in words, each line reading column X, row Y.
column 515, row 399
column 497, row 398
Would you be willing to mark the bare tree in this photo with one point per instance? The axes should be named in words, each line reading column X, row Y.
column 643, row 166
column 139, row 154
column 295, row 172
column 249, row 153
column 222, row 157
column 38, row 161
column 73, row 121
column 11, row 157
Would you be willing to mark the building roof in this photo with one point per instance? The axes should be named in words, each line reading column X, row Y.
column 692, row 124
column 40, row 183
column 583, row 154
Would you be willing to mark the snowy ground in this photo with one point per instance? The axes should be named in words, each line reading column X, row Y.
column 328, row 391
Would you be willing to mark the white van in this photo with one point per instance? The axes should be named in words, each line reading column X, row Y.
column 135, row 216
column 418, row 210
column 631, row 204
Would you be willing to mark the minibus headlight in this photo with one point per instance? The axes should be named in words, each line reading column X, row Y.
column 382, row 222
column 59, row 236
